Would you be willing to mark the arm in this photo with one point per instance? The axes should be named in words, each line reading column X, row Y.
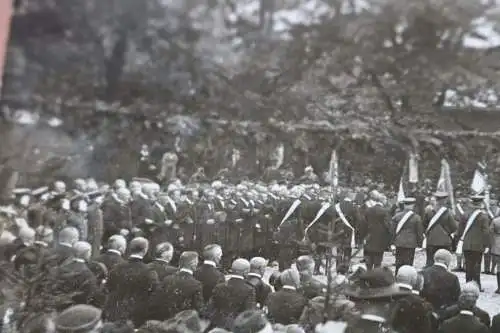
column 456, row 290
column 250, row 302
column 485, row 226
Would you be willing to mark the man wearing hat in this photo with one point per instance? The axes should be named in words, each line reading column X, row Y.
column 408, row 233
column 440, row 226
column 79, row 318
column 474, row 238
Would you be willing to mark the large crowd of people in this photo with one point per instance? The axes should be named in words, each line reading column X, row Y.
column 242, row 258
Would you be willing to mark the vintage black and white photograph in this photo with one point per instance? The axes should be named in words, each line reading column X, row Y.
column 250, row 166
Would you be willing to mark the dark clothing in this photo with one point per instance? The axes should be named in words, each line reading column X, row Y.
column 130, row 285
column 162, row 268
column 110, row 259
column 454, row 310
column 285, row 306
column 477, row 237
column 229, row 299
column 439, row 233
column 412, row 315
column 177, row 292
column 209, row 276
column 404, row 256
column 473, row 266
column 63, row 253
column 96, row 228
column 464, row 324
column 373, row 259
column 376, row 230
column 411, row 233
column 312, row 288
column 495, row 324
column 430, row 250
column 441, row 288
column 262, row 289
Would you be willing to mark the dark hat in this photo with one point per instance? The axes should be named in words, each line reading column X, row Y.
column 441, row 195
column 250, row 321
column 377, row 283
column 78, row 318
column 190, row 319
column 477, row 198
column 55, row 200
column 409, row 201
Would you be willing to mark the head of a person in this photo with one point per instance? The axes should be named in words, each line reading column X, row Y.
column 468, row 296
column 59, row 186
column 342, row 269
column 443, row 257
column 164, row 251
column 139, row 246
column 135, row 188
column 80, row 185
column 27, row 236
column 407, row 276
column 117, row 243
column 123, row 194
column 240, row 267
column 305, row 266
column 258, row 265
column 213, row 252
column 252, row 321
column 69, row 235
column 189, row 260
column 290, row 278
column 119, row 183
column 79, row 318
column 83, row 250
column 44, row 234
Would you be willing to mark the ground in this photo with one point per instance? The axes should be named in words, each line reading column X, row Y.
column 488, row 301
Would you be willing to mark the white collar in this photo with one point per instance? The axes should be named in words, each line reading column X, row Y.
column 415, row 292
column 162, row 260
column 440, row 264
column 232, row 276
column 65, row 244
column 374, row 318
column 405, row 286
column 78, row 260
column 114, row 251
column 289, row 287
column 186, row 270
column 42, row 243
column 255, row 274
column 467, row 313
column 136, row 256
column 210, row 262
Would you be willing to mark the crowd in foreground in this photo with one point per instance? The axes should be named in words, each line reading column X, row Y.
column 134, row 258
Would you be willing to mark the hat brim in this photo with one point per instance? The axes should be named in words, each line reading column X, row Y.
column 374, row 293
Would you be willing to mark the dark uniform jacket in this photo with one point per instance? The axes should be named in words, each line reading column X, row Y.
column 454, row 310
column 477, row 237
column 110, row 259
column 440, row 233
column 130, row 285
column 412, row 314
column 351, row 214
column 495, row 324
column 463, row 323
column 376, row 229
column 262, row 289
column 162, row 268
column 63, row 252
column 209, row 276
column 411, row 234
column 441, row 288
column 229, row 299
column 140, row 210
column 116, row 216
column 285, row 306
column 312, row 288
column 177, row 292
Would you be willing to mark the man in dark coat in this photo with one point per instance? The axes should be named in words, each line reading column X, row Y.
column 439, row 227
column 474, row 239
column 310, row 287
column 347, row 223
column 285, row 306
column 465, row 321
column 376, row 231
column 161, row 261
column 64, row 249
column 231, row 298
column 408, row 233
column 179, row 291
column 207, row 273
column 495, row 324
column 113, row 255
column 254, row 277
column 441, row 287
column 116, row 213
column 95, row 223
column 130, row 285
column 289, row 231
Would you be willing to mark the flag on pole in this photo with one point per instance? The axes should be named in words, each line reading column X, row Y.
column 479, row 179
column 444, row 183
column 333, row 170
column 413, row 169
column 401, row 191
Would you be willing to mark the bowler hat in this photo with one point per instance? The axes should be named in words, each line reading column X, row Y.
column 250, row 321
column 377, row 283
column 78, row 318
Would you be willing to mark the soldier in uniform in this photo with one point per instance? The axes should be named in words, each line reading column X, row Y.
column 346, row 224
column 440, row 226
column 117, row 217
column 474, row 233
column 408, row 233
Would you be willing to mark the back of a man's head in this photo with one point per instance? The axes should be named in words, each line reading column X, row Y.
column 69, row 235
column 468, row 296
column 83, row 250
column 407, row 275
column 188, row 260
column 212, row 252
column 117, row 243
column 240, row 267
column 305, row 264
column 443, row 256
column 44, row 234
column 164, row 251
column 290, row 278
column 139, row 246
column 258, row 265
